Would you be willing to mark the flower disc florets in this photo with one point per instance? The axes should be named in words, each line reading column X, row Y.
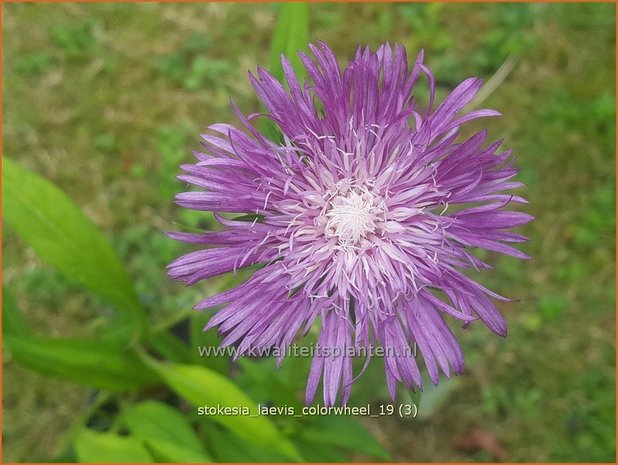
column 362, row 218
column 354, row 217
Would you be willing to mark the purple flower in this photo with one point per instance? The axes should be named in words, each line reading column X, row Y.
column 360, row 220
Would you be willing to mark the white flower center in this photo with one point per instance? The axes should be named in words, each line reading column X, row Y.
column 353, row 216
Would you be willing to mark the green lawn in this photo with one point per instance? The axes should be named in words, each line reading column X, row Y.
column 106, row 100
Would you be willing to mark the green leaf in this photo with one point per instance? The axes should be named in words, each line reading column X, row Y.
column 166, row 451
column 13, row 321
column 344, row 432
column 204, row 387
column 228, row 447
column 201, row 338
column 291, row 35
column 322, row 454
column 92, row 447
column 64, row 237
column 169, row 452
column 168, row 431
column 263, row 382
column 170, row 346
column 411, row 399
column 84, row 361
column 434, row 397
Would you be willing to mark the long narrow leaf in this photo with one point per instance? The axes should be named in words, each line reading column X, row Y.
column 166, row 432
column 206, row 388
column 228, row 447
column 291, row 35
column 13, row 321
column 345, row 433
column 84, row 361
column 158, row 421
column 65, row 238
column 94, row 447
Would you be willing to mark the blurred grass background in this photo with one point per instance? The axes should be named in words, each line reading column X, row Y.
column 106, row 100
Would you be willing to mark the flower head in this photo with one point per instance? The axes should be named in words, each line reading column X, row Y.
column 362, row 218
